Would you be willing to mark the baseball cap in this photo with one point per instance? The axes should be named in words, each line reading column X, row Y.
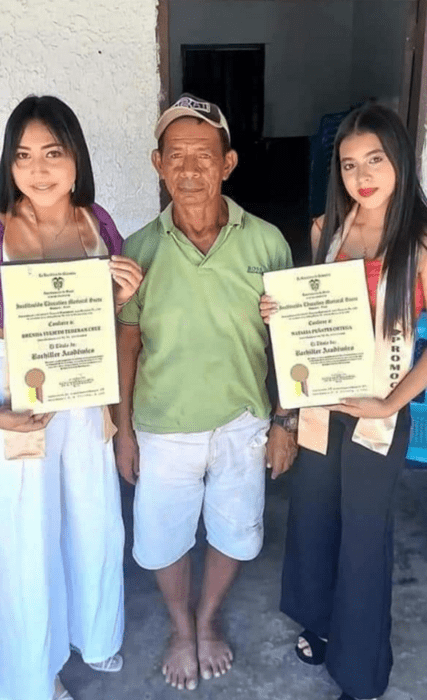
column 189, row 106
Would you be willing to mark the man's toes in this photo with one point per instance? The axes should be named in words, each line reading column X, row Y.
column 225, row 664
column 217, row 671
column 215, row 667
column 223, row 667
column 219, row 667
column 181, row 681
column 205, row 672
column 172, row 678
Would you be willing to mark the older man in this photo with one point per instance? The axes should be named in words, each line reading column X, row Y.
column 192, row 355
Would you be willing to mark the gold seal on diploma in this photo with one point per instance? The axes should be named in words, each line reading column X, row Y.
column 35, row 379
column 299, row 373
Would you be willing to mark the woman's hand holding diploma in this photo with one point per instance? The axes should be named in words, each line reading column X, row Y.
column 127, row 276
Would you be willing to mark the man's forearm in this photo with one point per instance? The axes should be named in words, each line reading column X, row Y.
column 128, row 349
column 284, row 411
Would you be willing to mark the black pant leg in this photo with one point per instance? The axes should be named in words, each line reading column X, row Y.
column 313, row 535
column 359, row 656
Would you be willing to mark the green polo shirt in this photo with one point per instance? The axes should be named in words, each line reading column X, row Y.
column 203, row 359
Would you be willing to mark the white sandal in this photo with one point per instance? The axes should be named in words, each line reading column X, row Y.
column 60, row 693
column 111, row 665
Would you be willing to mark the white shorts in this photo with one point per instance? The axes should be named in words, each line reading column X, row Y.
column 220, row 473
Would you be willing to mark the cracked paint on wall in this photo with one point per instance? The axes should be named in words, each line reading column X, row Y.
column 101, row 58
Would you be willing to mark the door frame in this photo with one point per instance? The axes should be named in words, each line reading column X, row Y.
column 162, row 37
column 413, row 93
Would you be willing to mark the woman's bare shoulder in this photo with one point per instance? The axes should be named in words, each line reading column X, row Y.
column 423, row 252
column 318, row 221
column 422, row 264
column 316, row 232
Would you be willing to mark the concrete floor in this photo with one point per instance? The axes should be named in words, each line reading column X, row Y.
column 262, row 638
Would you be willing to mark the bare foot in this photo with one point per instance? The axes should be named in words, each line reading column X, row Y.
column 214, row 654
column 180, row 663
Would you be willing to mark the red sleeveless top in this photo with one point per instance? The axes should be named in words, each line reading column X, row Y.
column 373, row 270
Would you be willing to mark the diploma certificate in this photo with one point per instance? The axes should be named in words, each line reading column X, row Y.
column 60, row 334
column 322, row 334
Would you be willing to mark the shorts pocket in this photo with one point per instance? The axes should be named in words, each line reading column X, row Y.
column 259, row 440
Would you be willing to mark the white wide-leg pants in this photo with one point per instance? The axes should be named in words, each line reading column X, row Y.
column 61, row 551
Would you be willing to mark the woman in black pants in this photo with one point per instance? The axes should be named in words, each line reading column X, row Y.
column 339, row 547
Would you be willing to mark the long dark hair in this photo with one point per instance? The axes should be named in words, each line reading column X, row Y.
column 405, row 222
column 64, row 125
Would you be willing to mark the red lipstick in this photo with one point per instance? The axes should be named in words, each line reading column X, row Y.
column 367, row 192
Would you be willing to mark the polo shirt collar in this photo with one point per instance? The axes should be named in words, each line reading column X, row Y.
column 235, row 216
column 235, row 212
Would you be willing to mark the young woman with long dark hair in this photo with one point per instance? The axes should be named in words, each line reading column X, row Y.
column 61, row 544
column 339, row 547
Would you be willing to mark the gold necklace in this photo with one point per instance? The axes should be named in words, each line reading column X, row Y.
column 364, row 246
column 67, row 221
column 45, row 245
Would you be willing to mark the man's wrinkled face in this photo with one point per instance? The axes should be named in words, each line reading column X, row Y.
column 192, row 163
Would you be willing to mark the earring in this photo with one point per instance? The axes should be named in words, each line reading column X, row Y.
column 73, row 188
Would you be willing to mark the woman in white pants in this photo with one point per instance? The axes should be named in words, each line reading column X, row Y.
column 61, row 542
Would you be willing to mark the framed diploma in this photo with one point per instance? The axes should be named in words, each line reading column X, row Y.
column 322, row 334
column 60, row 334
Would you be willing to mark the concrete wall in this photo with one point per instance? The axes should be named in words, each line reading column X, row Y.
column 321, row 55
column 101, row 58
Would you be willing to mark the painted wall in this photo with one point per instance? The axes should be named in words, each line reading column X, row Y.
column 377, row 50
column 101, row 58
column 321, row 55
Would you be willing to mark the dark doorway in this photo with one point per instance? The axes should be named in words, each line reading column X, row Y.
column 232, row 76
